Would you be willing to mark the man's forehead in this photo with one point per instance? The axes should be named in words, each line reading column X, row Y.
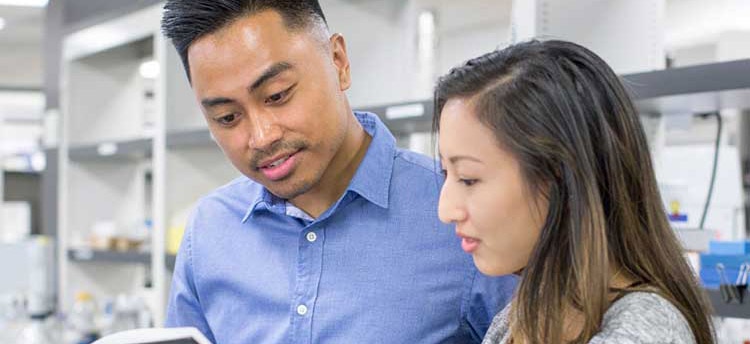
column 249, row 45
column 248, row 29
column 263, row 33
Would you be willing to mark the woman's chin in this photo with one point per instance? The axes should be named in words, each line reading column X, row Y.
column 490, row 269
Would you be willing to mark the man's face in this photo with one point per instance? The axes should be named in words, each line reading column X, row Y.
column 273, row 99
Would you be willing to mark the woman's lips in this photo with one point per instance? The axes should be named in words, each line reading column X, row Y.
column 468, row 244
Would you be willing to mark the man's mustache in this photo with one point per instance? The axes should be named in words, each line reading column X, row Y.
column 276, row 149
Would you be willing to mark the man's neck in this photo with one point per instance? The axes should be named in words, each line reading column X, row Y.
column 338, row 175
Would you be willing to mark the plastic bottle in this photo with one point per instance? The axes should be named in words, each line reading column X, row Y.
column 83, row 318
column 125, row 313
column 36, row 332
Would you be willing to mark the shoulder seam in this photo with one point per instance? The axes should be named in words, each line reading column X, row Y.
column 672, row 317
column 653, row 298
column 399, row 154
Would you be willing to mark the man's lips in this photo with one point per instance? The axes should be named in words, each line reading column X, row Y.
column 276, row 160
column 280, row 168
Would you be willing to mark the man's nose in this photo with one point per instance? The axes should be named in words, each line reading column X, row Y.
column 265, row 132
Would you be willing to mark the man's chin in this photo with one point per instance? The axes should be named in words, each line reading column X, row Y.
column 289, row 191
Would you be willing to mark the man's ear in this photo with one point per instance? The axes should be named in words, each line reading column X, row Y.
column 341, row 61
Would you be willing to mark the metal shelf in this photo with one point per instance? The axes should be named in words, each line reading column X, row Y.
column 97, row 256
column 88, row 255
column 405, row 118
column 22, row 173
column 729, row 310
column 711, row 77
column 190, row 138
column 126, row 149
column 696, row 89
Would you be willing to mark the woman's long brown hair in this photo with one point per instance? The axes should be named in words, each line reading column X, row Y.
column 566, row 117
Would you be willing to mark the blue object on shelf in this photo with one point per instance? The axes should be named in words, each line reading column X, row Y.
column 708, row 274
column 729, row 247
column 678, row 217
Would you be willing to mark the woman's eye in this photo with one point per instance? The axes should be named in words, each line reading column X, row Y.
column 468, row 182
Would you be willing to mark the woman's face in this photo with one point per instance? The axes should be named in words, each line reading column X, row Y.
column 484, row 194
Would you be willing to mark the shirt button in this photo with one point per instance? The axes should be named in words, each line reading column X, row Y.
column 311, row 236
column 301, row 309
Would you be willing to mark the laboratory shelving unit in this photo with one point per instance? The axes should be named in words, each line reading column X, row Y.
column 105, row 156
column 132, row 148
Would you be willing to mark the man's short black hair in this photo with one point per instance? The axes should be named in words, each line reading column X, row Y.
column 185, row 21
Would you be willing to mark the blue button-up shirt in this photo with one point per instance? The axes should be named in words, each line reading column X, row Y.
column 377, row 267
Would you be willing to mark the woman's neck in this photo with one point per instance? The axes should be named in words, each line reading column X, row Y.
column 619, row 280
column 574, row 319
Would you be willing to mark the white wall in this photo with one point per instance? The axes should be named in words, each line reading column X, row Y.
column 21, row 66
column 471, row 28
column 627, row 34
column 378, row 51
column 22, row 112
column 695, row 22
column 382, row 44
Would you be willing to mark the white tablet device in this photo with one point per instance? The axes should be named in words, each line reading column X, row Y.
column 176, row 335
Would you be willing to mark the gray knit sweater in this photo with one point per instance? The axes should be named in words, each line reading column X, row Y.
column 638, row 317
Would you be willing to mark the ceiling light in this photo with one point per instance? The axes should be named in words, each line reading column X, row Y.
column 38, row 161
column 2, row 23
column 27, row 3
column 149, row 69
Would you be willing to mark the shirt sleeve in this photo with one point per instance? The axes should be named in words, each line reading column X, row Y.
column 487, row 297
column 643, row 318
column 184, row 309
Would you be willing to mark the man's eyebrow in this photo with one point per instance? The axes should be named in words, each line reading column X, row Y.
column 211, row 102
column 269, row 74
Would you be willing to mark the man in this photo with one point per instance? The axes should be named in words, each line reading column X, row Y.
column 333, row 236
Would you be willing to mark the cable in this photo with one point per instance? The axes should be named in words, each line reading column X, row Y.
column 716, row 163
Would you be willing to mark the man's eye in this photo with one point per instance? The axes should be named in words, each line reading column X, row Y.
column 277, row 97
column 228, row 119
column 468, row 182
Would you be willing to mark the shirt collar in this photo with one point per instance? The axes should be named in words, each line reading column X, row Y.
column 372, row 180
column 373, row 177
column 264, row 200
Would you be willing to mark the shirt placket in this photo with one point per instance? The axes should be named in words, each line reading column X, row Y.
column 309, row 268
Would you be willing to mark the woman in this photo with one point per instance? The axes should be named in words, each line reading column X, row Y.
column 549, row 177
